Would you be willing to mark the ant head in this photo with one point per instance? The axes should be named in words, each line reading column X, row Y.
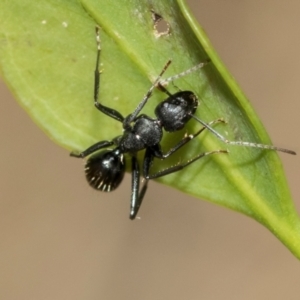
column 177, row 110
column 105, row 170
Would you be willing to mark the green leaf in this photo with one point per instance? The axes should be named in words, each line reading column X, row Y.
column 47, row 57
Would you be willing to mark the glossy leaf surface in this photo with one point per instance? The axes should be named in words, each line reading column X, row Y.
column 47, row 57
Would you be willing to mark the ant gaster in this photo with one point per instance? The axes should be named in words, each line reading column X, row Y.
column 105, row 169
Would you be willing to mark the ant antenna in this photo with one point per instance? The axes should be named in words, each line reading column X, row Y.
column 158, row 83
column 241, row 143
column 186, row 72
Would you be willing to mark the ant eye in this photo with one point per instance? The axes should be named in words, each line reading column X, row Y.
column 105, row 170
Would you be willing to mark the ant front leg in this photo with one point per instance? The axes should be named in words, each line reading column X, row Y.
column 163, row 89
column 140, row 106
column 104, row 109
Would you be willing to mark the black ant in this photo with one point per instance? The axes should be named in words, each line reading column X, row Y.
column 105, row 169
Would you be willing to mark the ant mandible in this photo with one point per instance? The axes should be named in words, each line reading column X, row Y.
column 105, row 169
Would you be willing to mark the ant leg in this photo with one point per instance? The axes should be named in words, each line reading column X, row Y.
column 92, row 149
column 136, row 195
column 155, row 152
column 163, row 89
column 178, row 167
column 104, row 109
column 241, row 143
column 158, row 153
column 138, row 109
column 135, row 185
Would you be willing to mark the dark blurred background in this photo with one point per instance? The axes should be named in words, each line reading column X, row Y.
column 61, row 240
